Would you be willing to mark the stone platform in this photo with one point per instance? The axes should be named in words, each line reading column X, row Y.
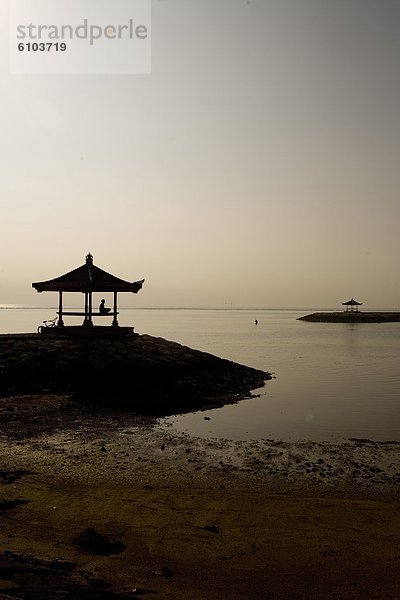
column 81, row 331
column 352, row 317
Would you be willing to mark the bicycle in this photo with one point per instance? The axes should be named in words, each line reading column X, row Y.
column 46, row 324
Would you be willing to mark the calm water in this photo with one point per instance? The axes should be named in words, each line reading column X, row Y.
column 333, row 380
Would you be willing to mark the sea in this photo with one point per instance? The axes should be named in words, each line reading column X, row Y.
column 331, row 381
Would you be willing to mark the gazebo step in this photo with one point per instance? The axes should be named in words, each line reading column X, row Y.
column 81, row 331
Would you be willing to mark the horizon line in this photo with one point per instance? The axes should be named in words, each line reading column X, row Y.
column 8, row 306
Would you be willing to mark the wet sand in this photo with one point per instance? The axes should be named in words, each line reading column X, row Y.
column 102, row 504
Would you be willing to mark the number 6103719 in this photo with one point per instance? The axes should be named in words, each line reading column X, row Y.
column 42, row 46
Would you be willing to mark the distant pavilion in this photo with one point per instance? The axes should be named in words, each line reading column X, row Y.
column 88, row 279
column 352, row 305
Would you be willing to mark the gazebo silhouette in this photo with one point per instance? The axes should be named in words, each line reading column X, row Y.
column 88, row 279
column 351, row 305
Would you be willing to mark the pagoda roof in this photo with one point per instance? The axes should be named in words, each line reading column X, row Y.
column 352, row 302
column 88, row 278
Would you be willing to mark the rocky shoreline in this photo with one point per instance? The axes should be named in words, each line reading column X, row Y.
column 352, row 317
column 140, row 372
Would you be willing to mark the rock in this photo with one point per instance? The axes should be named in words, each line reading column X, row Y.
column 211, row 528
column 165, row 571
column 62, row 565
column 10, row 504
column 100, row 584
column 8, row 586
column 95, row 543
column 8, row 477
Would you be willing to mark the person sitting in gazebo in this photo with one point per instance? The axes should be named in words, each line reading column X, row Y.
column 103, row 310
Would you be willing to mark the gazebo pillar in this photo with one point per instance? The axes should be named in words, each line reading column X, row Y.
column 86, row 308
column 115, row 320
column 89, row 321
column 60, row 322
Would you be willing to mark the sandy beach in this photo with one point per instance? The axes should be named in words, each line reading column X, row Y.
column 103, row 504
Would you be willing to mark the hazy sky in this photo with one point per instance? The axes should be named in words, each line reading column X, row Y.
column 257, row 165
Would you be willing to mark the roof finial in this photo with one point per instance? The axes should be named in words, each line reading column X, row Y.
column 89, row 259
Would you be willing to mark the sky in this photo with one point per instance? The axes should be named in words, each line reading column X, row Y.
column 256, row 166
